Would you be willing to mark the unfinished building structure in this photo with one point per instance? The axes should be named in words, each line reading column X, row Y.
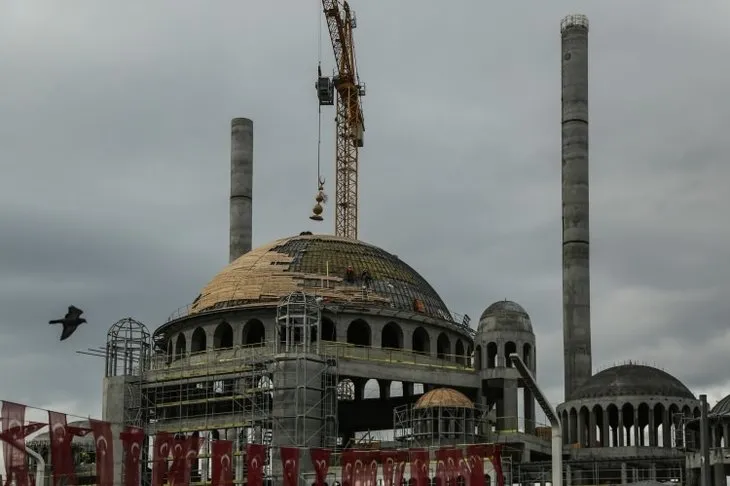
column 281, row 345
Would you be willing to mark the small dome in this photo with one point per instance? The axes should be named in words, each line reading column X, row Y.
column 721, row 408
column 505, row 315
column 444, row 397
column 632, row 379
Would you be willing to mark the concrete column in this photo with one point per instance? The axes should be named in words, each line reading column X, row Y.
column 719, row 472
column 666, row 429
column 407, row 389
column 507, row 407
column 568, row 475
column 605, row 428
column 652, row 429
column 241, row 187
column 384, row 386
column 576, row 271
column 529, row 411
column 637, row 429
column 624, row 476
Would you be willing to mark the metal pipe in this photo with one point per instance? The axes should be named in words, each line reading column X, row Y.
column 550, row 413
column 40, row 468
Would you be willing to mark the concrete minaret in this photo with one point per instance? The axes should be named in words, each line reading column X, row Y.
column 576, row 271
column 241, row 187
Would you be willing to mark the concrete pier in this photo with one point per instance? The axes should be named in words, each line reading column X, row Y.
column 241, row 187
column 576, row 267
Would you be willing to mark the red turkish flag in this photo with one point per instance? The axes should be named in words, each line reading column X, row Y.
column 13, row 437
column 321, row 462
column 400, row 468
column 494, row 452
column 419, row 466
column 222, row 457
column 255, row 457
column 290, row 463
column 347, row 464
column 370, row 473
column 64, row 471
column 160, row 454
column 104, row 441
column 389, row 460
column 132, row 439
column 447, row 465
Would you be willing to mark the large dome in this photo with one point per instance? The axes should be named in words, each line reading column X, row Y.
column 318, row 264
column 632, row 379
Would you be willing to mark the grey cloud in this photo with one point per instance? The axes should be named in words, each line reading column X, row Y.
column 460, row 175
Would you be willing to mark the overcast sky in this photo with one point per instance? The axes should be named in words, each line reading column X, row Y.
column 114, row 131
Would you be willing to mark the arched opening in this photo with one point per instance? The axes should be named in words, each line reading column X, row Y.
column 527, row 354
column 597, row 439
column 180, row 345
column 254, row 333
column 478, row 358
column 346, row 390
column 329, row 331
column 509, row 348
column 358, row 333
column 659, row 426
column 643, row 425
column 198, row 341
column 223, row 336
column 371, row 389
column 492, row 353
column 585, row 418
column 392, row 336
column 443, row 346
column 459, row 351
column 421, row 342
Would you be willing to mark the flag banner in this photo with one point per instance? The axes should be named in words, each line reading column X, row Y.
column 400, row 468
column 475, row 455
column 255, row 456
column 192, row 449
column 62, row 462
column 104, row 441
column 494, row 452
column 370, row 471
column 347, row 464
column 389, row 460
column 132, row 439
column 321, row 463
column 465, row 470
column 222, row 458
column 419, row 466
column 290, row 463
column 13, row 434
column 176, row 473
column 160, row 455
column 447, row 466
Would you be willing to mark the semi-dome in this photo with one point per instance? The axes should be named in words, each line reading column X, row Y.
column 721, row 408
column 505, row 315
column 331, row 267
column 632, row 379
column 444, row 397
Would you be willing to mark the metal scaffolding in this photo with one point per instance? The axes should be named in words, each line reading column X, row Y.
column 438, row 425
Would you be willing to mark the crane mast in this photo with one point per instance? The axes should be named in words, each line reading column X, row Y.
column 345, row 90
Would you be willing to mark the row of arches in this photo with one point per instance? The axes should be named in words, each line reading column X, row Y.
column 494, row 359
column 628, row 424
column 358, row 333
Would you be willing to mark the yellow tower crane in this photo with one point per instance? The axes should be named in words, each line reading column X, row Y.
column 345, row 86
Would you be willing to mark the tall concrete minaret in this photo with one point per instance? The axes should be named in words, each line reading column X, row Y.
column 241, row 187
column 576, row 262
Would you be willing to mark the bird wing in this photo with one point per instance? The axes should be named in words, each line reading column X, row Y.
column 73, row 313
column 67, row 331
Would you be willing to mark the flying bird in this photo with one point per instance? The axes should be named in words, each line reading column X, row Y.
column 70, row 321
